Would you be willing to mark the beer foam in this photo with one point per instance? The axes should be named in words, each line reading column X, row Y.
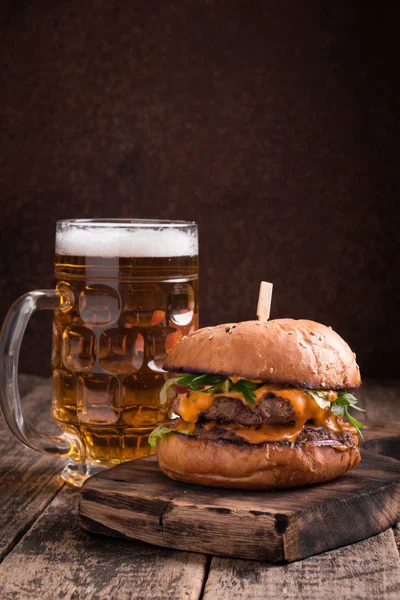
column 124, row 242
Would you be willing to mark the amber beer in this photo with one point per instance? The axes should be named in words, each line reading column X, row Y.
column 129, row 295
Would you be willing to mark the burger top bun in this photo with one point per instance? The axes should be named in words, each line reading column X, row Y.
column 283, row 351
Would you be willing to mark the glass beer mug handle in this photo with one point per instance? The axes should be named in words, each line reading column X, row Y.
column 10, row 343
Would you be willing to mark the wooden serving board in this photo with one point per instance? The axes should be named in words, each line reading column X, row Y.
column 136, row 500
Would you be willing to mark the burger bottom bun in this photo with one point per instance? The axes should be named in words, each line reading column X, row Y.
column 268, row 466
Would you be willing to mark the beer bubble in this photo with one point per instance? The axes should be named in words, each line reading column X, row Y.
column 78, row 348
column 125, row 240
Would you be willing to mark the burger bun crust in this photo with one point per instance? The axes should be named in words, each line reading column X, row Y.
column 268, row 466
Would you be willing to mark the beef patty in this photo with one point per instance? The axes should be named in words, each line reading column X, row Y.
column 307, row 435
column 271, row 410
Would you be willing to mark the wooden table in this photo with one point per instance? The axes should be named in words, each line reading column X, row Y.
column 46, row 555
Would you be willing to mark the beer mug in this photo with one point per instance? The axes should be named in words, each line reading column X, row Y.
column 126, row 292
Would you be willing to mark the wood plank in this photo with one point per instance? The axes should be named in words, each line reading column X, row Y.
column 364, row 571
column 136, row 500
column 28, row 481
column 372, row 431
column 58, row 559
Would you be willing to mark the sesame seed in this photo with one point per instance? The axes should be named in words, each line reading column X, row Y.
column 329, row 327
column 210, row 337
column 271, row 370
column 258, row 323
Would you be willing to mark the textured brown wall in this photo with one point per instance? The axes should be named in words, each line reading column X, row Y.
column 274, row 125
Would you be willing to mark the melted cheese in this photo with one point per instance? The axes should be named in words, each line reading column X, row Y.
column 267, row 433
column 261, row 433
column 304, row 407
column 303, row 404
column 180, row 425
column 191, row 404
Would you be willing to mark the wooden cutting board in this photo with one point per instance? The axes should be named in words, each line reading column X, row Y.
column 136, row 500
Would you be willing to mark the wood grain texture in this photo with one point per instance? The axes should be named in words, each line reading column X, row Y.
column 387, row 446
column 28, row 481
column 136, row 500
column 396, row 532
column 367, row 570
column 57, row 559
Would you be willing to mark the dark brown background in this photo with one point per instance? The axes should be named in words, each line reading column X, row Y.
column 274, row 125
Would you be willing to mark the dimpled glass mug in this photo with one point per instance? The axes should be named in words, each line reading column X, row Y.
column 126, row 292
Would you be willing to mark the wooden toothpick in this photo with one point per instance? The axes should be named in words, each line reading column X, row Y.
column 264, row 301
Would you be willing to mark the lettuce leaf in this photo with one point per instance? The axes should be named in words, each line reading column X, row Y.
column 164, row 393
column 320, row 398
column 341, row 406
column 162, row 432
column 209, row 383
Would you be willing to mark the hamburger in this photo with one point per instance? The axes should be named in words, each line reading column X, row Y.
column 259, row 405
